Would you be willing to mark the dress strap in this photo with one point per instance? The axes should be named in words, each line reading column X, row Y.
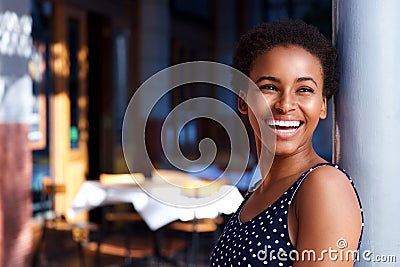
column 304, row 175
column 322, row 164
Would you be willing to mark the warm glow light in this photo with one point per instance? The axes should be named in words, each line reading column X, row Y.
column 82, row 102
column 60, row 61
column 83, row 62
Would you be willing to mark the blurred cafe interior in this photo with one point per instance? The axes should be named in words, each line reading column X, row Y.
column 76, row 65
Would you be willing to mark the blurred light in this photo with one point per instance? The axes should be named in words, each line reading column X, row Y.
column 83, row 62
column 60, row 62
column 15, row 34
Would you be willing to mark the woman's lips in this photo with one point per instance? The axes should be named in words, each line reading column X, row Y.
column 284, row 129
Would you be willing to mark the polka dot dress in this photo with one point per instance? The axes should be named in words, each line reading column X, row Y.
column 264, row 240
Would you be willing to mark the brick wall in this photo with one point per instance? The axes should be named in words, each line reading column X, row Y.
column 15, row 196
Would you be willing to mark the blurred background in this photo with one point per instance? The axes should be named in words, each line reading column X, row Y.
column 68, row 69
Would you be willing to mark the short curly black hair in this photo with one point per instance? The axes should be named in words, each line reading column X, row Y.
column 266, row 36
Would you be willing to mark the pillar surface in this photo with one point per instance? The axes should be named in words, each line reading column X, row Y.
column 368, row 40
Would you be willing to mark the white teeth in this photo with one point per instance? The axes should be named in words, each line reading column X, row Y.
column 290, row 130
column 284, row 123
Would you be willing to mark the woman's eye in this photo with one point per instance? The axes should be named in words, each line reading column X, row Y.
column 267, row 87
column 305, row 90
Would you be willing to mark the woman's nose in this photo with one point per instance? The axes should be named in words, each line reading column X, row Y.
column 285, row 103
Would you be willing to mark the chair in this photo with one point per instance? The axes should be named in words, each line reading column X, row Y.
column 54, row 221
column 120, row 213
column 194, row 228
column 198, row 187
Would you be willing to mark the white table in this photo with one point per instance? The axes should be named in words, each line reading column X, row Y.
column 158, row 203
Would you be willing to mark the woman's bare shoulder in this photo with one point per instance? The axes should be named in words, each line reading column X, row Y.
column 327, row 186
column 327, row 210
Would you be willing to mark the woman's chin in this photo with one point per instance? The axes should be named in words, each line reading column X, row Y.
column 285, row 150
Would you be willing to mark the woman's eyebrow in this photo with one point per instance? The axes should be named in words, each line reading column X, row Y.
column 274, row 79
column 268, row 78
column 304, row 79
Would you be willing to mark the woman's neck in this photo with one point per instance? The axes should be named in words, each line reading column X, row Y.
column 284, row 166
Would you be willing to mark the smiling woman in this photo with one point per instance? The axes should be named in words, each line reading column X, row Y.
column 295, row 207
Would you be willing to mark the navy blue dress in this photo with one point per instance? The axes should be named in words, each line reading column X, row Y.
column 264, row 240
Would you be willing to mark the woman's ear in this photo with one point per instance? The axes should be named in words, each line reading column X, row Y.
column 323, row 113
column 242, row 105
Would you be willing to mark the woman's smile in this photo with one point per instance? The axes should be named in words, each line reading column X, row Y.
column 284, row 128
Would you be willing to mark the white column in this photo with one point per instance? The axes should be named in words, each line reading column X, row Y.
column 368, row 114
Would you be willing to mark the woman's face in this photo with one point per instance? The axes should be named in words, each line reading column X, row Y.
column 290, row 82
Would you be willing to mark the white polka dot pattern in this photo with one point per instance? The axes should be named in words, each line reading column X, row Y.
column 258, row 241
